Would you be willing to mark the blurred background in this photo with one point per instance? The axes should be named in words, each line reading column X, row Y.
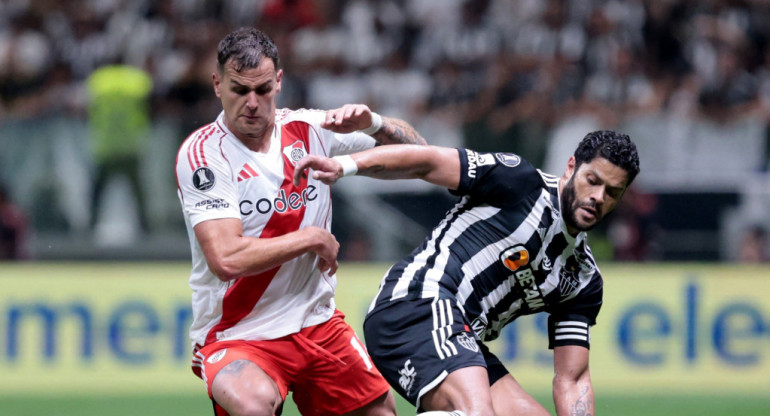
column 97, row 95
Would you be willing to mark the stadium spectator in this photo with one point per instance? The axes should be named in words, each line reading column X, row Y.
column 516, row 244
column 264, row 259
column 669, row 40
column 500, row 72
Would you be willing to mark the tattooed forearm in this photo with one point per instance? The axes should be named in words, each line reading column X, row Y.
column 395, row 131
column 583, row 406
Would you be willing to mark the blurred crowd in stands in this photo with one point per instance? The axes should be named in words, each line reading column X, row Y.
column 488, row 74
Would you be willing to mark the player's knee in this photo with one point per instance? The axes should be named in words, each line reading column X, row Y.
column 257, row 400
column 384, row 405
column 479, row 409
column 252, row 406
column 461, row 408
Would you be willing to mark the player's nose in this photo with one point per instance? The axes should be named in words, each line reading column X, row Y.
column 598, row 195
column 251, row 101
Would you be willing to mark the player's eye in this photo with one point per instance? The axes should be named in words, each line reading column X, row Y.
column 614, row 193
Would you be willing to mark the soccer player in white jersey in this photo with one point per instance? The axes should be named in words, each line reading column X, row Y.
column 515, row 244
column 264, row 260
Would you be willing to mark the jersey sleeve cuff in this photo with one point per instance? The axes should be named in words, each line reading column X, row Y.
column 568, row 332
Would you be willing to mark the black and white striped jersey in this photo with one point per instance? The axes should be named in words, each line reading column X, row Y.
column 502, row 252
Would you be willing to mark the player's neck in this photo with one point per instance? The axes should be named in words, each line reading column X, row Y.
column 259, row 145
column 259, row 142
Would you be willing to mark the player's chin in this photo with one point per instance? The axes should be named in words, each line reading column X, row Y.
column 586, row 224
column 251, row 129
column 251, row 124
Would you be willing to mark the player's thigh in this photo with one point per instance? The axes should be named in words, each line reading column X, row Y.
column 341, row 377
column 465, row 389
column 385, row 405
column 241, row 375
column 510, row 399
column 242, row 387
column 416, row 344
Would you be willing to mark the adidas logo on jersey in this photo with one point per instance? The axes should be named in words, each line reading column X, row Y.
column 247, row 172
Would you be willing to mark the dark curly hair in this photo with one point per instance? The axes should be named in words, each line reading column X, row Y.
column 615, row 147
column 246, row 47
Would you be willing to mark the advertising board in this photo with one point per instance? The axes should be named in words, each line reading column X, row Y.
column 123, row 328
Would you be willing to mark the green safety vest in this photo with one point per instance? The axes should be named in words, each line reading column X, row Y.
column 118, row 110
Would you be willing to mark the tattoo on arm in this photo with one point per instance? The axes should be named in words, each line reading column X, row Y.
column 582, row 406
column 395, row 131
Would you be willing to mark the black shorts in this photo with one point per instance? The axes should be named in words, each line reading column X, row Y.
column 416, row 343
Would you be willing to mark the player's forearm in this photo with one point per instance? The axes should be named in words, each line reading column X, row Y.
column 574, row 397
column 249, row 256
column 395, row 131
column 437, row 165
column 394, row 162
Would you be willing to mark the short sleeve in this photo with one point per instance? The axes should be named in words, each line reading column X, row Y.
column 336, row 143
column 206, row 189
column 570, row 323
column 345, row 144
column 499, row 179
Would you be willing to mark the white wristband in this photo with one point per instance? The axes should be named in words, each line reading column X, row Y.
column 349, row 166
column 376, row 124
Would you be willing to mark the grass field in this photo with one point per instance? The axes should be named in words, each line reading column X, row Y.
column 199, row 405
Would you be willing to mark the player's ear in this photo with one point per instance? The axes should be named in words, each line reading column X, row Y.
column 278, row 78
column 570, row 167
column 217, row 82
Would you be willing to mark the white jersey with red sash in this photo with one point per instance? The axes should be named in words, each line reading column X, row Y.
column 219, row 177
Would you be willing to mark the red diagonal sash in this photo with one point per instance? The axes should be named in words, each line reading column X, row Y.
column 244, row 294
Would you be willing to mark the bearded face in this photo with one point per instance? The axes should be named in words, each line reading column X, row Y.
column 570, row 206
column 591, row 192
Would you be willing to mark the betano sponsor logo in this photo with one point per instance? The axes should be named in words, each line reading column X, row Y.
column 516, row 259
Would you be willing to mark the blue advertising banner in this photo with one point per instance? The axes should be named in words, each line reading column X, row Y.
column 114, row 327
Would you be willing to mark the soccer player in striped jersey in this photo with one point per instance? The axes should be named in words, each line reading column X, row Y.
column 263, row 256
column 515, row 244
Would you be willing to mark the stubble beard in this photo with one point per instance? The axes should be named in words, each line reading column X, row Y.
column 569, row 207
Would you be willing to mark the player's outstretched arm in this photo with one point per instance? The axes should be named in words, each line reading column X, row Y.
column 437, row 165
column 231, row 255
column 385, row 130
column 573, row 393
